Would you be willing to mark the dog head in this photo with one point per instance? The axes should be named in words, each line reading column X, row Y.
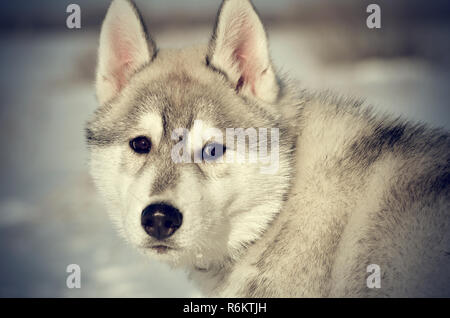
column 177, row 183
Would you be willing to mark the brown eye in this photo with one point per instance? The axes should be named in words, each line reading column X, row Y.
column 141, row 144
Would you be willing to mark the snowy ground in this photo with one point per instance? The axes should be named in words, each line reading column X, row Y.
column 49, row 214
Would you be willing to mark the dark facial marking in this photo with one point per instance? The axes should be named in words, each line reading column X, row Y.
column 239, row 84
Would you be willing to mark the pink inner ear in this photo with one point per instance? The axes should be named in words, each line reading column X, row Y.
column 246, row 55
column 122, row 57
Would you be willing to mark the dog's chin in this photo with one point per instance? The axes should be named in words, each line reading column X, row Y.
column 161, row 251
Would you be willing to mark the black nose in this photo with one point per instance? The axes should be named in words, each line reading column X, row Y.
column 161, row 220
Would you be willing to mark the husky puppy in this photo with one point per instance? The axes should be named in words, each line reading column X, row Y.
column 356, row 205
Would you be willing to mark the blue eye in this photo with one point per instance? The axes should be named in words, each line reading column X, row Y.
column 213, row 151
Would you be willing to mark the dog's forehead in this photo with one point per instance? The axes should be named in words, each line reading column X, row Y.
column 179, row 84
column 172, row 95
column 178, row 100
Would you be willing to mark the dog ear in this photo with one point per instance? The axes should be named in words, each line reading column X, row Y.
column 124, row 47
column 239, row 48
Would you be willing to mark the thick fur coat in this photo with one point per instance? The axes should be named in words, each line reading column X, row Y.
column 351, row 188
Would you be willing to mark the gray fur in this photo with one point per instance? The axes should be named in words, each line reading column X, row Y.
column 353, row 189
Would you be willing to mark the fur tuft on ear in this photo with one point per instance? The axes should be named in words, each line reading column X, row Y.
column 124, row 47
column 239, row 48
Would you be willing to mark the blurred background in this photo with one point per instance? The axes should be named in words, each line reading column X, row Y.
column 50, row 216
